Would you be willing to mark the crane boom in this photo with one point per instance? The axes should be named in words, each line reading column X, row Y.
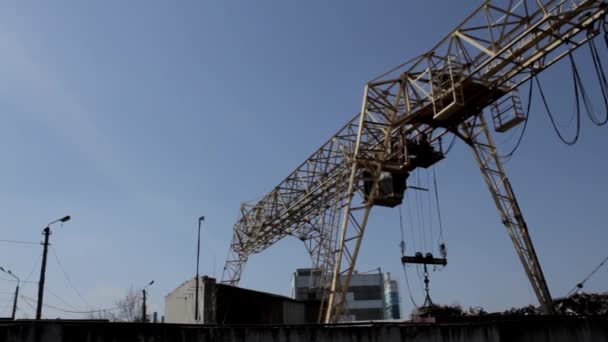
column 327, row 200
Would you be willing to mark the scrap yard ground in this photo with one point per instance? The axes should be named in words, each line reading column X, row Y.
column 537, row 329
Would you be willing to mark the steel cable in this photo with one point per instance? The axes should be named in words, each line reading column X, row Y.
column 523, row 130
column 550, row 114
column 601, row 76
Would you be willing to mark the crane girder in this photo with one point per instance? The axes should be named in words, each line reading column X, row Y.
column 501, row 45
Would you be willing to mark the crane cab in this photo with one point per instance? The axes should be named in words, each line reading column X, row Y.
column 391, row 187
column 422, row 154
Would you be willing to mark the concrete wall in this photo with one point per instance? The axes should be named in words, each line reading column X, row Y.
column 527, row 330
column 179, row 304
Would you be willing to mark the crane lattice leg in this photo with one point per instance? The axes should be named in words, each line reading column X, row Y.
column 354, row 221
column 477, row 135
column 354, row 216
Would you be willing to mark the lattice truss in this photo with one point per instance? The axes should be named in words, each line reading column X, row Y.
column 326, row 201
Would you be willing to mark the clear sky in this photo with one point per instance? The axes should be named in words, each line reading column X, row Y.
column 138, row 117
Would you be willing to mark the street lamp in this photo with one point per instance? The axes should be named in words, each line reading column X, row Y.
column 16, row 290
column 143, row 306
column 46, row 231
column 198, row 253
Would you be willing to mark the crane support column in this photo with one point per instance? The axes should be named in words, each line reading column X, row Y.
column 477, row 135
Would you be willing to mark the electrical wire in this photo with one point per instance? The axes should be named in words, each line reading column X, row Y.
column 21, row 242
column 60, row 299
column 30, row 305
column 580, row 285
column 551, row 118
column 605, row 26
column 508, row 156
column 67, row 277
column 15, row 280
column 69, row 314
column 402, row 245
column 29, row 275
column 601, row 76
column 451, row 145
column 27, row 281
column 430, row 209
column 580, row 93
column 7, row 306
column 9, row 301
column 409, row 289
column 409, row 211
column 83, row 312
column 420, row 213
column 583, row 93
column 439, row 220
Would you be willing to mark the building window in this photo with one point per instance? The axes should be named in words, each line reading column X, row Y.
column 367, row 314
column 366, row 292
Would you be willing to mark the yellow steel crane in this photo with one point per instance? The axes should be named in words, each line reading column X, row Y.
column 405, row 114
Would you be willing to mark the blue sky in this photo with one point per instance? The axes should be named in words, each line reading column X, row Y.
column 137, row 118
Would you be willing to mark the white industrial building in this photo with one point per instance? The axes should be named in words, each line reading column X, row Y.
column 365, row 299
column 180, row 303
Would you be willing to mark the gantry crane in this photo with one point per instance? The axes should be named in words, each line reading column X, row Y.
column 405, row 115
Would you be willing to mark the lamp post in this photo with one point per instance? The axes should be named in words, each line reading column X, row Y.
column 143, row 306
column 47, row 232
column 198, row 253
column 16, row 290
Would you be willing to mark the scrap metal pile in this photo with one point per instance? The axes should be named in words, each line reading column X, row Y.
column 580, row 304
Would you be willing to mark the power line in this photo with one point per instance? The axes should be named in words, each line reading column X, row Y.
column 21, row 242
column 9, row 301
column 61, row 299
column 7, row 306
column 27, row 279
column 67, row 277
column 15, row 280
column 84, row 312
column 580, row 285
column 29, row 304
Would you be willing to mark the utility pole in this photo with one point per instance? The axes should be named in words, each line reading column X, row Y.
column 47, row 233
column 198, row 253
column 15, row 302
column 143, row 305
column 16, row 291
